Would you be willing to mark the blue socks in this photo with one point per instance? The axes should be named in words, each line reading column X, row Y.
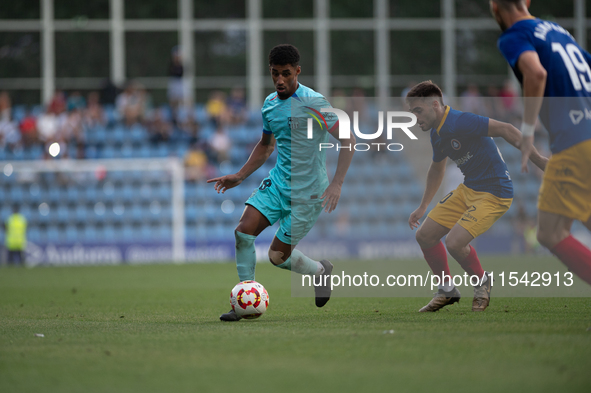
column 246, row 258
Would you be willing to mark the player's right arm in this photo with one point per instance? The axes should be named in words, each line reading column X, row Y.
column 259, row 155
column 534, row 85
column 434, row 179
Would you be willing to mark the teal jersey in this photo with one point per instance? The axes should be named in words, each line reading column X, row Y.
column 300, row 172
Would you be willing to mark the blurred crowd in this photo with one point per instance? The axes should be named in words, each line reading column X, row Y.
column 69, row 116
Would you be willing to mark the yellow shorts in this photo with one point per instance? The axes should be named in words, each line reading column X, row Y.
column 566, row 188
column 475, row 211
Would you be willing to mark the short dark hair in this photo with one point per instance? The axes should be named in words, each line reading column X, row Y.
column 425, row 89
column 508, row 3
column 284, row 54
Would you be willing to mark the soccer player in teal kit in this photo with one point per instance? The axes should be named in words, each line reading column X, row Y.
column 308, row 188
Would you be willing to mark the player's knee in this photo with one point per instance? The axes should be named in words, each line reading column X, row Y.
column 548, row 238
column 276, row 257
column 424, row 239
column 454, row 246
column 420, row 237
column 239, row 228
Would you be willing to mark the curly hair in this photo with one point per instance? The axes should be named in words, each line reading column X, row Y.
column 284, row 54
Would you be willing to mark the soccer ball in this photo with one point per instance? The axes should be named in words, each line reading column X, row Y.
column 249, row 299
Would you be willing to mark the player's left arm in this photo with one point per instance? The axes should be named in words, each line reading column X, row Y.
column 332, row 193
column 512, row 135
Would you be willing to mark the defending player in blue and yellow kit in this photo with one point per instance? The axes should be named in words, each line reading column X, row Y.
column 556, row 78
column 473, row 207
column 297, row 188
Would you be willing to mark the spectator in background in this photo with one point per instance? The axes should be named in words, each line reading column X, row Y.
column 494, row 106
column 94, row 114
column 220, row 144
column 237, row 106
column 72, row 132
column 58, row 104
column 48, row 126
column 196, row 166
column 131, row 104
column 176, row 87
column 108, row 93
column 525, row 230
column 471, row 100
column 75, row 101
column 160, row 130
column 509, row 97
column 10, row 137
column 28, row 128
column 216, row 108
column 5, row 106
column 190, row 128
column 15, row 230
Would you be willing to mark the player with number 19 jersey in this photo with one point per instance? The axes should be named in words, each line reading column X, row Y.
column 569, row 75
column 565, row 112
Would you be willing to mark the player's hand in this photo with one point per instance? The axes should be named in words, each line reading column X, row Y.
column 224, row 183
column 331, row 197
column 539, row 160
column 413, row 220
column 527, row 147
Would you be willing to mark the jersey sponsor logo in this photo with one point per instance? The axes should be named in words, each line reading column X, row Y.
column 286, row 234
column 564, row 172
column 329, row 116
column 469, row 217
column 464, row 159
column 455, row 144
column 576, row 115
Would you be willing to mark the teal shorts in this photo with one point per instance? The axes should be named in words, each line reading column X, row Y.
column 295, row 221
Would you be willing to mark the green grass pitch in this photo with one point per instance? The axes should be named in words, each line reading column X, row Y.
column 156, row 329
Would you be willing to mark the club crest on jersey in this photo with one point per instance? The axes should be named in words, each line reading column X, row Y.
column 293, row 123
column 455, row 144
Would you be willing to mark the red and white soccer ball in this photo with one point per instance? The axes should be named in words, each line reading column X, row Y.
column 249, row 299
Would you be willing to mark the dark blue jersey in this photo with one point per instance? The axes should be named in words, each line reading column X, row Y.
column 568, row 120
column 463, row 137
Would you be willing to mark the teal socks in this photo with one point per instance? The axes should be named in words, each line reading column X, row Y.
column 300, row 263
column 246, row 258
